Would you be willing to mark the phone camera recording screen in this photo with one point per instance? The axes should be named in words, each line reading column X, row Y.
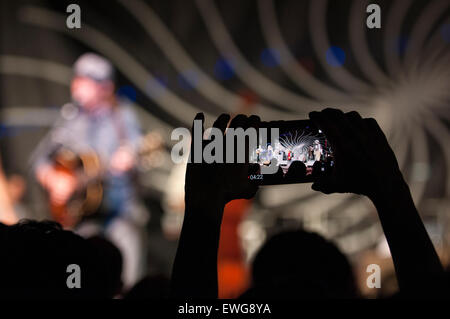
column 299, row 153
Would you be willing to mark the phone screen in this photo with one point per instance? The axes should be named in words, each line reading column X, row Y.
column 297, row 152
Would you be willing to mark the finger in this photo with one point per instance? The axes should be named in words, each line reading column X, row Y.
column 238, row 121
column 374, row 130
column 254, row 121
column 196, row 147
column 340, row 121
column 329, row 128
column 346, row 129
column 199, row 117
column 333, row 113
column 376, row 134
column 222, row 122
column 251, row 140
column 355, row 119
column 357, row 127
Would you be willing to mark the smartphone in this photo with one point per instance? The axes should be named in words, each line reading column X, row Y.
column 290, row 152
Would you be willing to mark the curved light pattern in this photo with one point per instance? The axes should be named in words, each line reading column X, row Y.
column 32, row 67
column 290, row 66
column 405, row 98
column 405, row 90
column 172, row 104
column 437, row 44
column 440, row 133
column 317, row 28
column 27, row 115
column 395, row 18
column 420, row 160
column 62, row 74
column 249, row 75
column 422, row 28
column 358, row 41
column 178, row 56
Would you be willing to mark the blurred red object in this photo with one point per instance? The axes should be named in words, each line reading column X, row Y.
column 233, row 274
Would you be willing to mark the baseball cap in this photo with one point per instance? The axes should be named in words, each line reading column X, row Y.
column 94, row 66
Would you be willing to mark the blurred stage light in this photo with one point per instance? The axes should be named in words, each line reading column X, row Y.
column 223, row 69
column 128, row 92
column 157, row 85
column 188, row 80
column 402, row 44
column 445, row 32
column 307, row 63
column 335, row 56
column 270, row 57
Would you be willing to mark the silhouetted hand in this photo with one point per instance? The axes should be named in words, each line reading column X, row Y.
column 220, row 182
column 208, row 188
column 364, row 162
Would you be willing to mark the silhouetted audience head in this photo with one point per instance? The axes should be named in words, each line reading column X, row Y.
column 150, row 287
column 35, row 257
column 296, row 171
column 299, row 264
column 110, row 260
column 271, row 178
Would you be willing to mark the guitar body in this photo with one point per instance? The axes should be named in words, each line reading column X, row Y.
column 86, row 197
column 87, row 172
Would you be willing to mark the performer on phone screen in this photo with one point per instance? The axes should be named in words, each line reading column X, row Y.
column 317, row 150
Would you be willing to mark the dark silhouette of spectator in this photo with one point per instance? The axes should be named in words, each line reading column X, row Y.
column 296, row 172
column 150, row 287
column 299, row 264
column 273, row 178
column 34, row 263
column 111, row 262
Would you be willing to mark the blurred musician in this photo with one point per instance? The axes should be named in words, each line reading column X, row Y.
column 317, row 150
column 269, row 152
column 98, row 125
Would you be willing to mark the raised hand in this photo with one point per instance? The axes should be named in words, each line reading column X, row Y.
column 209, row 186
column 220, row 182
column 364, row 162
